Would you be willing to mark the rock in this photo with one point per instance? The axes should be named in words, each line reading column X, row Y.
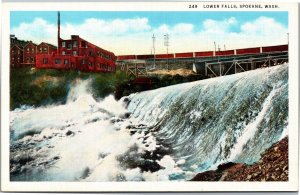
column 225, row 166
column 273, row 166
column 207, row 176
column 56, row 157
column 127, row 115
column 69, row 133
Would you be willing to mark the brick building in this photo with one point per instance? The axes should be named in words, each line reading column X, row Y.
column 16, row 56
column 76, row 53
column 29, row 54
column 46, row 48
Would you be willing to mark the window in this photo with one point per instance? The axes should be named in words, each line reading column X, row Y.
column 40, row 49
column 27, row 60
column 45, row 61
column 28, row 50
column 75, row 44
column 63, row 53
column 90, row 53
column 12, row 51
column 57, row 61
column 63, row 44
column 45, row 49
column 32, row 50
column 66, row 61
column 83, row 61
column 69, row 45
column 32, row 60
column 74, row 53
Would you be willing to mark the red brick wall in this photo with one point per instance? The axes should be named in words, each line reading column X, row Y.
column 16, row 57
column 29, row 54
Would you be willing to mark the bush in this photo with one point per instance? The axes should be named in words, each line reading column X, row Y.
column 24, row 89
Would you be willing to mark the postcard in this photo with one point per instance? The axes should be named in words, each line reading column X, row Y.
column 149, row 96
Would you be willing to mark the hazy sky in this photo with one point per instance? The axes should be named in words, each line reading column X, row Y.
column 131, row 32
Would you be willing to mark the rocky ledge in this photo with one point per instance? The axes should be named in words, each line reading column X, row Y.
column 273, row 166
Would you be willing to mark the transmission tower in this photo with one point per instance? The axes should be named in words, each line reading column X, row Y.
column 153, row 41
column 167, row 44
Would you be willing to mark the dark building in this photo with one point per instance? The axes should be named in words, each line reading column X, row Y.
column 16, row 56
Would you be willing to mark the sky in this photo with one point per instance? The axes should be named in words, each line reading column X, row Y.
column 131, row 32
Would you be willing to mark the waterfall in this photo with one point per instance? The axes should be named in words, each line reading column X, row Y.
column 169, row 133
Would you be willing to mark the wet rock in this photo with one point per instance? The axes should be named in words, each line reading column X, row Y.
column 207, row 176
column 56, row 157
column 86, row 172
column 69, row 133
column 132, row 132
column 127, row 115
column 225, row 166
column 149, row 165
column 273, row 166
column 102, row 155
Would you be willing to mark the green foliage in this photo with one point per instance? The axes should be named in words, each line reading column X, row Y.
column 37, row 87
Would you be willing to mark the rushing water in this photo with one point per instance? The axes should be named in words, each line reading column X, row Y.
column 166, row 134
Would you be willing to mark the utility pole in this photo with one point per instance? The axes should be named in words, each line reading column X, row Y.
column 215, row 47
column 167, row 44
column 153, row 41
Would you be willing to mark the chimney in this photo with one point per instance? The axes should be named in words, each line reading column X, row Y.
column 58, row 31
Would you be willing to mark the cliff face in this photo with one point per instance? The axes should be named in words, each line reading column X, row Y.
column 273, row 166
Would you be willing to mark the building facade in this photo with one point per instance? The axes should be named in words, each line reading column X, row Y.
column 76, row 53
column 16, row 56
column 46, row 48
column 29, row 54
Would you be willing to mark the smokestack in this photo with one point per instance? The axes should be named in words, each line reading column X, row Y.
column 58, row 31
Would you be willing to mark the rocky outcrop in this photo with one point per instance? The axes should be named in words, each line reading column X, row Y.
column 273, row 166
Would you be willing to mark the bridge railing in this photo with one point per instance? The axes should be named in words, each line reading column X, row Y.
column 221, row 68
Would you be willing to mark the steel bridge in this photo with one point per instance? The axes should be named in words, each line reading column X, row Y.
column 211, row 66
column 217, row 67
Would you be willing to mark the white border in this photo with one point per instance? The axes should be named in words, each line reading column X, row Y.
column 291, row 185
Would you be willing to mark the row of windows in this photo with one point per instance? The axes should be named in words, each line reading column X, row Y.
column 58, row 61
column 69, row 46
column 13, row 59
column 107, row 57
column 74, row 53
column 66, row 61
column 29, row 60
column 45, row 49
column 28, row 50
column 102, row 66
column 13, row 52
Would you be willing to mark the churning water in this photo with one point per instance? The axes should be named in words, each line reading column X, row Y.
column 166, row 134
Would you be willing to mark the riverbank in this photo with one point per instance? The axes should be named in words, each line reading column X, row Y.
column 41, row 87
column 273, row 166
